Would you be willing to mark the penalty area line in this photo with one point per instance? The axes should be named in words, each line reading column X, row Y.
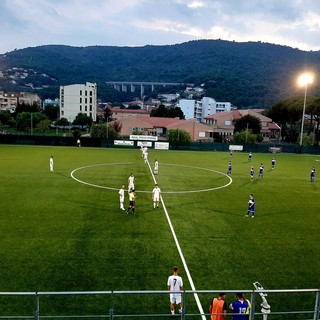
column 196, row 297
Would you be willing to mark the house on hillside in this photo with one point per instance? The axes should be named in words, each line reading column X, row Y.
column 119, row 113
column 158, row 126
column 222, row 124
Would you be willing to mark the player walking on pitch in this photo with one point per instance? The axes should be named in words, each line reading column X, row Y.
column 175, row 284
column 252, row 173
column 156, row 167
column 51, row 163
column 121, row 197
column 251, row 207
column 156, row 193
column 131, row 182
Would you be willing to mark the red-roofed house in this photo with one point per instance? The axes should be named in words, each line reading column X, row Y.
column 118, row 113
column 159, row 126
column 222, row 124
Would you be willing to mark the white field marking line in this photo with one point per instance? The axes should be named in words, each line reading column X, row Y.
column 143, row 191
column 196, row 297
column 97, row 165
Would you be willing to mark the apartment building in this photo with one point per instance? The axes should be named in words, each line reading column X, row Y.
column 10, row 100
column 78, row 98
column 199, row 110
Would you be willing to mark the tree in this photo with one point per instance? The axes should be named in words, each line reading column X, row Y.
column 25, row 120
column 63, row 122
column 104, row 131
column 163, row 111
column 288, row 113
column 51, row 111
column 82, row 120
column 25, row 107
column 6, row 118
column 247, row 122
column 43, row 125
column 245, row 136
column 179, row 135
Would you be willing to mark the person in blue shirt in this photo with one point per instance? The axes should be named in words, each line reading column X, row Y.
column 261, row 170
column 313, row 174
column 239, row 307
column 229, row 168
column 252, row 173
column 273, row 162
column 251, row 207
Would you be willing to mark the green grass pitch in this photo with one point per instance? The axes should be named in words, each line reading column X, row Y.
column 61, row 235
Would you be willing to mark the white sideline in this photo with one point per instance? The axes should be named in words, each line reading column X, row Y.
column 196, row 297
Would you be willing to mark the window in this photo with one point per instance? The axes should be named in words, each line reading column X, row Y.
column 90, row 93
column 80, row 100
column 90, row 108
column 227, row 123
column 80, row 92
column 80, row 108
column 86, row 93
column 90, row 99
column 85, row 109
column 85, row 100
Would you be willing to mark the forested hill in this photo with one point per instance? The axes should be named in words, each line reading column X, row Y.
column 246, row 74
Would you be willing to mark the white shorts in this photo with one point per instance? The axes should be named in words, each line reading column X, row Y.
column 175, row 298
column 156, row 198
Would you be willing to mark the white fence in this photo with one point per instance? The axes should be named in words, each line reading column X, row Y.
column 60, row 305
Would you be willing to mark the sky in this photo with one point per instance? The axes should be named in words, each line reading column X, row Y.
column 31, row 23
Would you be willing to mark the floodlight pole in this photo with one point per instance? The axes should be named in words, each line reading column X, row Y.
column 303, row 112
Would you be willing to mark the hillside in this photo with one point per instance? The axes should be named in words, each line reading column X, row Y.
column 246, row 74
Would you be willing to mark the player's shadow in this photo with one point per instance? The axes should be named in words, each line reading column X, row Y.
column 62, row 174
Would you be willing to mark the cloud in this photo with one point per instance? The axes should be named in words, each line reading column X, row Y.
column 26, row 23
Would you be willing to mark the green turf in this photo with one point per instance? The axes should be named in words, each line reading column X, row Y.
column 61, row 235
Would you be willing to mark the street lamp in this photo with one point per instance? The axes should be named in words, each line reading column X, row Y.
column 304, row 80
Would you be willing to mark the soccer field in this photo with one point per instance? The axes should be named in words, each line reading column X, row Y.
column 63, row 232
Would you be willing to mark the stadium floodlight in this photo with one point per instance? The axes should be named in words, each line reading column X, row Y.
column 304, row 80
column 265, row 307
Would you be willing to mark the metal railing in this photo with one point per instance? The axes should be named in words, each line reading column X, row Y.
column 52, row 305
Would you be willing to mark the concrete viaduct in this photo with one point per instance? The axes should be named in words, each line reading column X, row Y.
column 123, row 85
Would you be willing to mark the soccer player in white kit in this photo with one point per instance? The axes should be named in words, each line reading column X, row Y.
column 156, row 167
column 51, row 163
column 156, row 192
column 175, row 283
column 121, row 197
column 131, row 182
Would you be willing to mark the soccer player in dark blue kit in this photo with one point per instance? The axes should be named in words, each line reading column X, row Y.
column 273, row 163
column 239, row 307
column 229, row 168
column 261, row 170
column 250, row 156
column 252, row 173
column 251, row 207
column 313, row 174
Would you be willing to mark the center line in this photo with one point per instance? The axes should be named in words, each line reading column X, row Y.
column 180, row 251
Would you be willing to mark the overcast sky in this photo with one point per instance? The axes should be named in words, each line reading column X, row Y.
column 29, row 23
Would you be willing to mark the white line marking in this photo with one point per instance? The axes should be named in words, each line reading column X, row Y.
column 196, row 297
column 166, row 213
column 143, row 191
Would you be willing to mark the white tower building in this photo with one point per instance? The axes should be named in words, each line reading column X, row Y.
column 78, row 98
